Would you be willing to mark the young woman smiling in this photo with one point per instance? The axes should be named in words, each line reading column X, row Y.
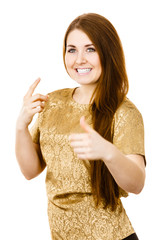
column 91, row 138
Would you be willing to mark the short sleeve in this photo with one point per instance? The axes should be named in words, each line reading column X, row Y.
column 128, row 134
column 34, row 131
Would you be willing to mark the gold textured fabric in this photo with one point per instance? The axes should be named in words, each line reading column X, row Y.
column 71, row 209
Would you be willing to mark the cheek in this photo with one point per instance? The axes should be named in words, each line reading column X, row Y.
column 69, row 61
column 69, row 65
column 66, row 61
column 94, row 60
column 97, row 63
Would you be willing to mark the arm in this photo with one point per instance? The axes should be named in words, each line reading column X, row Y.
column 28, row 153
column 127, row 170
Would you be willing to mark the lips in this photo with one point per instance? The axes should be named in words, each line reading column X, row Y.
column 83, row 70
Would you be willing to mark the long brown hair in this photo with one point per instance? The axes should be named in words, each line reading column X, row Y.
column 110, row 91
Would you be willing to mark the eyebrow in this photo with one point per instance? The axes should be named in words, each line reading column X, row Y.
column 87, row 45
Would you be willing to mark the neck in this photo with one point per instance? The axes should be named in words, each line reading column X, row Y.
column 84, row 93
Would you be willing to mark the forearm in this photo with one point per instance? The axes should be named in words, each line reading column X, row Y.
column 26, row 154
column 128, row 171
column 129, row 175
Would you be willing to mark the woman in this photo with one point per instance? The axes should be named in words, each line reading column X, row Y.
column 91, row 138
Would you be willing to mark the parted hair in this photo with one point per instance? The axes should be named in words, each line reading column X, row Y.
column 109, row 93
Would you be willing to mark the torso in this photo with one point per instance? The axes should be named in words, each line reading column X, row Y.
column 71, row 208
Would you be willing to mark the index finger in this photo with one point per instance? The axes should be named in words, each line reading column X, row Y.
column 32, row 88
column 77, row 137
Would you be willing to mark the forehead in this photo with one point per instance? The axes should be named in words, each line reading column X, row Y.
column 78, row 38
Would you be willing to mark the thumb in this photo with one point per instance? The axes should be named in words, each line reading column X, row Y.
column 85, row 125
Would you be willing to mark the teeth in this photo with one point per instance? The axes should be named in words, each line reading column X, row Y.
column 84, row 70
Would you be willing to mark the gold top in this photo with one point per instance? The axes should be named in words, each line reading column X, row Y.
column 71, row 209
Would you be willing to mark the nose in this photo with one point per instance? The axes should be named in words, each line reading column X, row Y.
column 80, row 58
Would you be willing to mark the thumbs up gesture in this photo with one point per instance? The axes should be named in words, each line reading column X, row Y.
column 89, row 145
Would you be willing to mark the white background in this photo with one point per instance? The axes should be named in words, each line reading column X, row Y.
column 31, row 38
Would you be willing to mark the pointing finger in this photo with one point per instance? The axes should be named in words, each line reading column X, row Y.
column 32, row 88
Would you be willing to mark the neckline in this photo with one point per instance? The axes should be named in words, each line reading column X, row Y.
column 77, row 103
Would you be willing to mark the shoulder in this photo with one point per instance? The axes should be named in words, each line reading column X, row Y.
column 56, row 100
column 59, row 96
column 127, row 109
column 127, row 113
column 128, row 129
column 61, row 93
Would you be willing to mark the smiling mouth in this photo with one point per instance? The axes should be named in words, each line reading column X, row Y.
column 83, row 70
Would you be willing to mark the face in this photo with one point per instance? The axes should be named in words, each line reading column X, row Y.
column 81, row 58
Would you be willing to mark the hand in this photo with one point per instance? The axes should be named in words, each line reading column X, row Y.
column 89, row 145
column 31, row 106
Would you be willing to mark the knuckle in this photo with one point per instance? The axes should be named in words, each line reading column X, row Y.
column 24, row 98
column 37, row 96
column 89, row 144
column 41, row 105
column 39, row 109
column 89, row 151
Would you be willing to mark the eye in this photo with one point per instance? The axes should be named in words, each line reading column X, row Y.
column 91, row 49
column 71, row 50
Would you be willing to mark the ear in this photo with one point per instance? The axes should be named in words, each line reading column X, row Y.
column 85, row 125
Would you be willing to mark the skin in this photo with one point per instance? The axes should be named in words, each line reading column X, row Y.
column 128, row 171
column 81, row 54
column 29, row 157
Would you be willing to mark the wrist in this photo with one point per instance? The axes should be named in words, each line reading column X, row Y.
column 21, row 126
column 109, row 153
